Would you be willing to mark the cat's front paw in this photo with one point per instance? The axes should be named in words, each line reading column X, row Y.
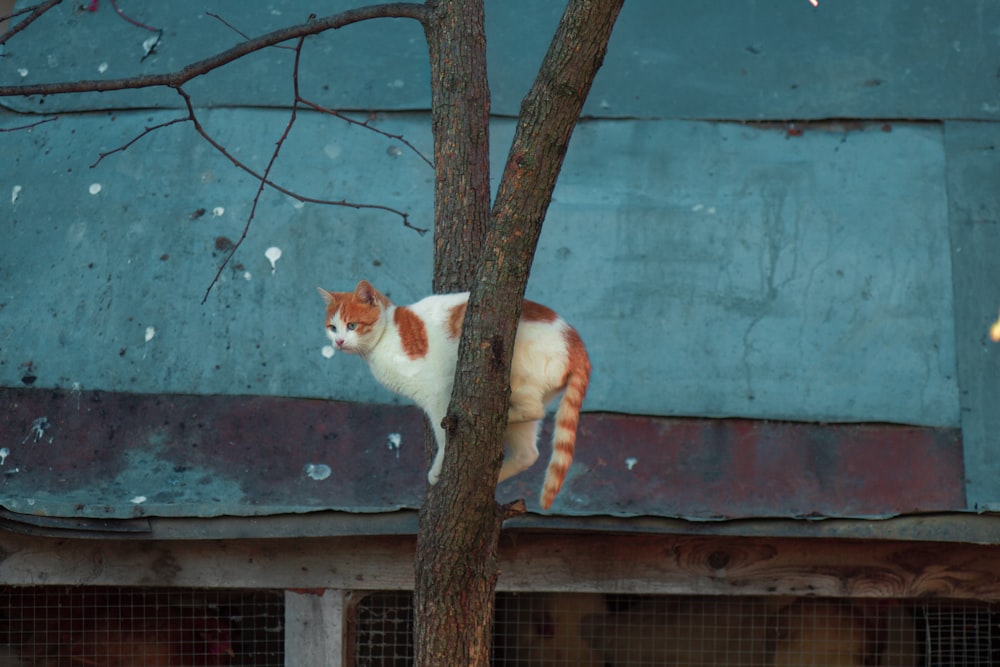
column 435, row 472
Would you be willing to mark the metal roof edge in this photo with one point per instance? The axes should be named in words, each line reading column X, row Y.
column 958, row 527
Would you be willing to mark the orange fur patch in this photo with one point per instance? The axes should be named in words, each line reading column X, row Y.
column 455, row 320
column 536, row 312
column 411, row 332
column 362, row 314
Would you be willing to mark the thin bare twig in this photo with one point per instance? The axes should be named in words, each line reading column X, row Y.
column 317, row 107
column 367, row 125
column 137, row 24
column 240, row 32
column 285, row 191
column 267, row 170
column 29, row 125
column 147, row 130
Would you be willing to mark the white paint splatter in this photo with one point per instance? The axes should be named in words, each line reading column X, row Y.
column 149, row 43
column 273, row 254
column 317, row 471
column 396, row 83
column 102, row 68
column 630, row 462
column 150, row 332
column 394, row 441
column 4, row 453
column 23, row 71
column 94, row 188
column 138, row 500
column 218, row 211
column 15, row 192
column 246, row 275
column 37, row 430
column 328, row 351
column 697, row 207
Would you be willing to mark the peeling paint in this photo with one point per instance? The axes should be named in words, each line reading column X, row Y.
column 149, row 43
column 15, row 193
column 317, row 471
column 630, row 462
column 37, row 430
column 393, row 442
column 95, row 188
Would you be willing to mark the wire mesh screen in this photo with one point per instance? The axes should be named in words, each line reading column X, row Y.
column 127, row 627
column 591, row 630
column 381, row 626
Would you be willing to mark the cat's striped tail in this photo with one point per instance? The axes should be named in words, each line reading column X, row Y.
column 567, row 417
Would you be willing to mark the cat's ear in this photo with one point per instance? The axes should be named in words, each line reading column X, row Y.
column 365, row 293
column 328, row 297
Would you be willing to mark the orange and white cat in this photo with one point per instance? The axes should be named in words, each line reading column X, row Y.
column 413, row 351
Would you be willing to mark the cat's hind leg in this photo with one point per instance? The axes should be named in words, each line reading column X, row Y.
column 521, row 448
column 527, row 403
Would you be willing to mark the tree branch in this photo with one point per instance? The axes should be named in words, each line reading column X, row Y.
column 196, row 69
column 32, row 12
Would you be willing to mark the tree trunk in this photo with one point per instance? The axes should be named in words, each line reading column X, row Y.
column 453, row 597
column 456, row 568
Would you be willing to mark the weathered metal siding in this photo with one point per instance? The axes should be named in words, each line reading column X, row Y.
column 105, row 455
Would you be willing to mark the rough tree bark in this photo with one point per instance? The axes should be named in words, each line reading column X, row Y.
column 460, row 520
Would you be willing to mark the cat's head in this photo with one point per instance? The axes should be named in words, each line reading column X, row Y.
column 354, row 321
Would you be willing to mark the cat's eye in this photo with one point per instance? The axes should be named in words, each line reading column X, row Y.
column 351, row 326
column 332, row 328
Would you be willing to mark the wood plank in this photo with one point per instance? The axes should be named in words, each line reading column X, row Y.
column 648, row 564
column 314, row 628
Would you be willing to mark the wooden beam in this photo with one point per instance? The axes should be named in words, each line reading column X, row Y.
column 649, row 564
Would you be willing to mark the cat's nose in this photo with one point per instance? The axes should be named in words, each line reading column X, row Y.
column 340, row 342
